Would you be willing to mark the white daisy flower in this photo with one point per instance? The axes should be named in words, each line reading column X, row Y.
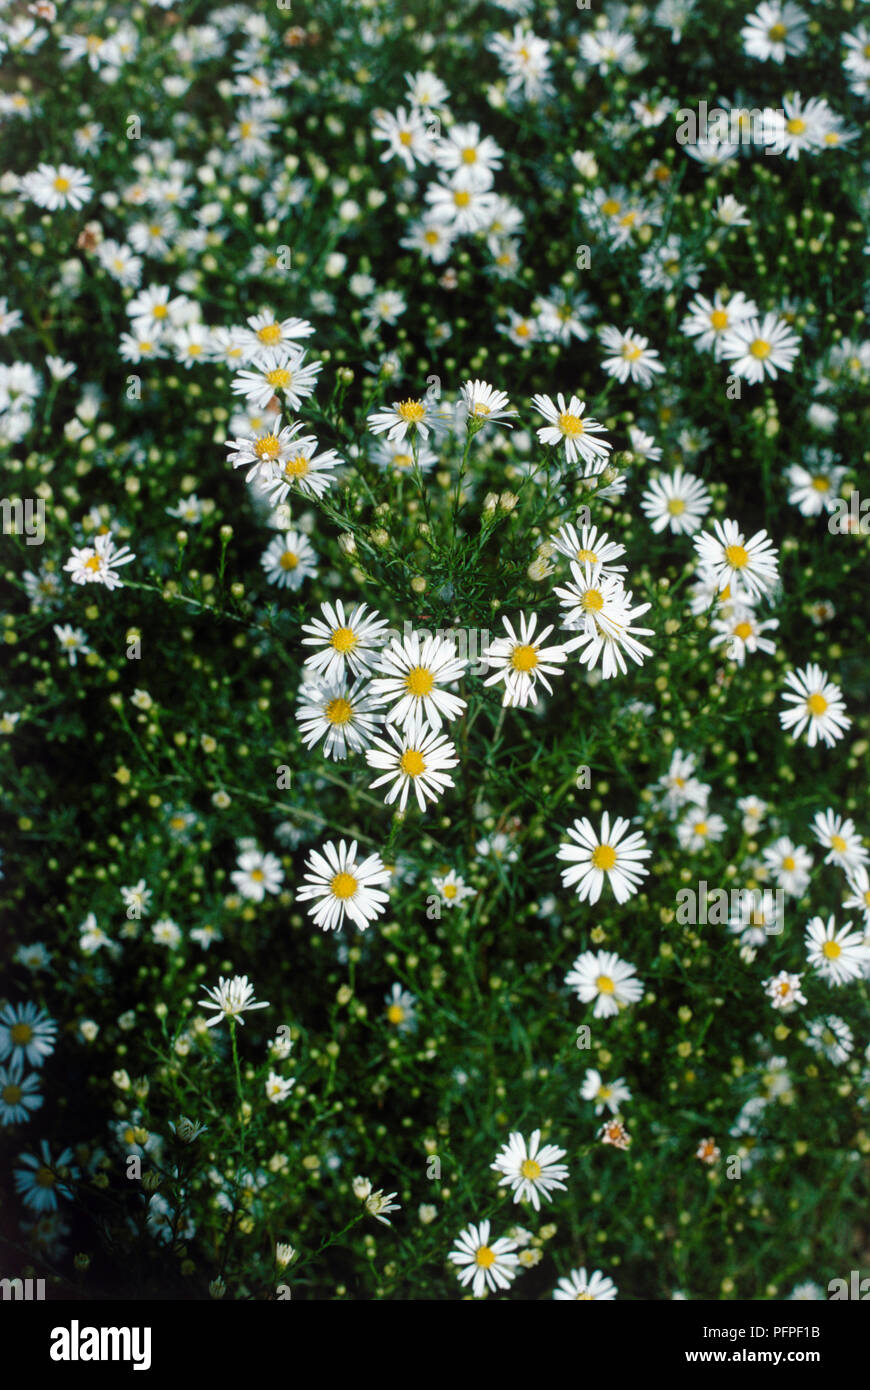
column 522, row 661
column 790, row 865
column 340, row 712
column 257, row 875
column 289, row 560
column 414, row 416
column 709, row 319
column 814, row 491
column 589, row 548
column 72, row 640
column 832, row 1038
column 416, row 759
column 578, row 1287
column 400, row 1010
column 567, row 426
column 265, row 331
column 784, row 991
column 462, row 148
column 407, row 137
column 529, row 1170
column 816, row 706
column 484, row 1264
column 410, row 674
column 54, row 188
column 758, row 348
column 729, row 555
column 19, row 1094
column 602, row 976
column 700, row 829
column 278, row 1088
column 39, row 1178
column 452, row 889
column 461, row 204
column 230, row 998
column 840, row 839
column 609, row 857
column 679, row 786
column 775, row 31
column 378, row 1203
column 347, row 641
column 607, row 1095
column 344, row 886
column 630, row 356
column 27, row 1033
column 484, row 405
column 96, row 564
column 838, row 954
column 275, row 371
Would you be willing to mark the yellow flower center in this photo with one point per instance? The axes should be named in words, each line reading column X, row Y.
column 795, row 126
column 605, row 985
column 832, row 950
column 817, row 704
column 524, row 658
column 296, row 468
column 412, row 411
column 449, row 890
column 395, row 1013
column 570, row 425
column 431, row 238
column 604, row 857
column 788, row 863
column 44, row 1177
column 159, row 311
column 270, row 334
column 759, row 347
column 629, row 219
column 288, row 560
column 343, row 639
column 737, row 556
column 530, row 1169
column 12, row 1094
column 587, row 556
column 469, row 155
column 676, row 506
column 411, row 763
column 21, row 1033
column 592, row 601
column 257, row 875
column 630, row 353
column 405, row 137
column 61, row 184
column 480, row 408
column 522, row 330
column 484, row 1257
column 838, row 843
column 419, row 681
column 719, row 319
column 584, row 1297
column 821, row 483
column 700, row 827
column 343, row 885
column 93, row 563
column 777, row 32
column 245, row 129
column 339, row 711
column 743, row 630
column 610, row 207
column 280, row 377
column 461, row 198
